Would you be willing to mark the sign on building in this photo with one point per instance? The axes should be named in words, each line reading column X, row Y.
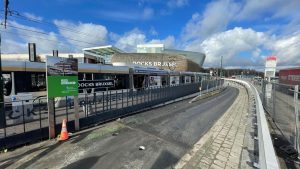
column 62, row 77
column 88, row 84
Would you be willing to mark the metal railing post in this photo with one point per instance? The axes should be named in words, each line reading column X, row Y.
column 103, row 107
column 40, row 114
column 95, row 102
column 106, row 98
column 127, row 95
column 274, row 100
column 85, row 105
column 23, row 116
column 122, row 99
column 132, row 98
column 116, row 99
column 67, row 108
column 296, row 104
column 110, row 100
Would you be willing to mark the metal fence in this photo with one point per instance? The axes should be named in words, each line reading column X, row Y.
column 281, row 101
column 27, row 121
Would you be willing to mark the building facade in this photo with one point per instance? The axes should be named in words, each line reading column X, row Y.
column 156, row 55
column 165, row 61
column 148, row 55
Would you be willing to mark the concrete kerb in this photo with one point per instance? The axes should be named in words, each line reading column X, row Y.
column 207, row 94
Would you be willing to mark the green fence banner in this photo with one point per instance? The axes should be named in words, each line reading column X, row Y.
column 62, row 77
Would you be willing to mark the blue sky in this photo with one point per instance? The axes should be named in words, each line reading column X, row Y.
column 244, row 32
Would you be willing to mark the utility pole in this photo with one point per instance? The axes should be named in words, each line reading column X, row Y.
column 2, row 111
column 221, row 71
column 5, row 11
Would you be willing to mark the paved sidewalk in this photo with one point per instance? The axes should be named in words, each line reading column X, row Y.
column 221, row 147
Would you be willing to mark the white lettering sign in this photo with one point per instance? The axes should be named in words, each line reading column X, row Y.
column 165, row 64
column 66, row 82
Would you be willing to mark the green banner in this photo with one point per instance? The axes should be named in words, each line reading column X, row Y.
column 62, row 76
column 59, row 86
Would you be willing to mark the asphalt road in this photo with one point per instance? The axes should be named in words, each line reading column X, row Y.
column 167, row 133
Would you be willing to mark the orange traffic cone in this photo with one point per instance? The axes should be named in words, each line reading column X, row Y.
column 64, row 135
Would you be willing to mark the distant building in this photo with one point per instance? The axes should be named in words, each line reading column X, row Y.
column 148, row 55
column 150, row 48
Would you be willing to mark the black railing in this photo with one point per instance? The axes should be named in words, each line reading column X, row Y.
column 27, row 121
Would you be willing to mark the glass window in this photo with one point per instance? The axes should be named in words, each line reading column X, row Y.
column 80, row 76
column 22, row 82
column 7, row 84
column 30, row 81
column 38, row 82
column 88, row 76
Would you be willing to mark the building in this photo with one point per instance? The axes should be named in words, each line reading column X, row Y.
column 156, row 55
column 148, row 55
column 150, row 48
column 160, row 60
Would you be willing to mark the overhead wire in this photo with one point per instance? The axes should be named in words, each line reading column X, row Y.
column 16, row 14
column 44, row 33
column 36, row 37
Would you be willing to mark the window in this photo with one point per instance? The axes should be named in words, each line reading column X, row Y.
column 80, row 76
column 88, row 76
column 7, row 84
column 30, row 81
column 38, row 82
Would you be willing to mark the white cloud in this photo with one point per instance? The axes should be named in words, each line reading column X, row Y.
column 129, row 40
column 215, row 19
column 230, row 44
column 246, row 47
column 32, row 16
column 146, row 13
column 16, row 40
column 11, row 46
column 153, row 31
column 169, row 41
column 255, row 9
column 287, row 49
column 177, row 3
column 207, row 32
column 82, row 34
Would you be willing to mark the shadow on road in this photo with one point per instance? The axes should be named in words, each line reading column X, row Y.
column 165, row 160
column 85, row 163
column 40, row 155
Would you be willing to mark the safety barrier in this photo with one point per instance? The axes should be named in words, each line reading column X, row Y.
column 267, row 155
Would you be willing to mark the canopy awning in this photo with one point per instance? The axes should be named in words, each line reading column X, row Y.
column 102, row 50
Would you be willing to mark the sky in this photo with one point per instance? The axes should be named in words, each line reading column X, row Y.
column 244, row 32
